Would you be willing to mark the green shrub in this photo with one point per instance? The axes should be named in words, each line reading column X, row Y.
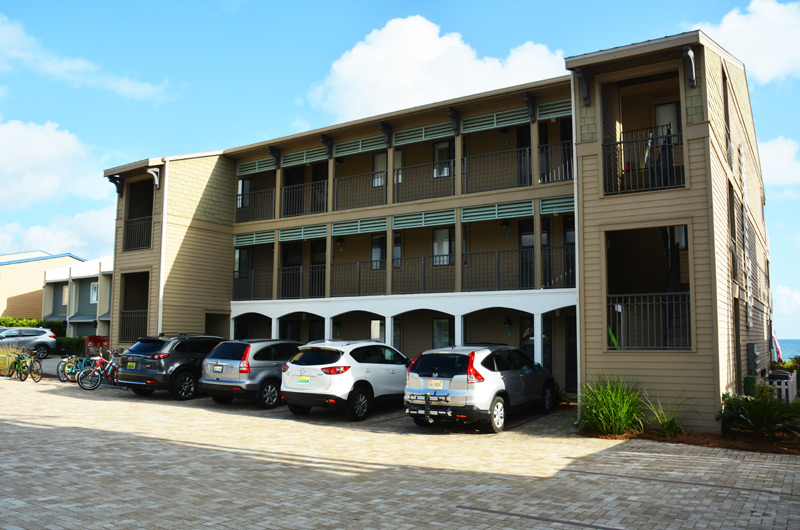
column 76, row 346
column 610, row 406
column 668, row 419
column 767, row 416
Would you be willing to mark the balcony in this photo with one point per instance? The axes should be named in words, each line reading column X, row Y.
column 359, row 191
column 132, row 325
column 137, row 233
column 558, row 267
column 304, row 199
column 498, row 270
column 255, row 206
column 358, row 278
column 305, row 281
column 645, row 160
column 424, row 274
column 495, row 171
column 255, row 284
column 424, row 181
column 555, row 162
column 653, row 321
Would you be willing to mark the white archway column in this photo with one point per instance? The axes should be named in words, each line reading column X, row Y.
column 537, row 334
column 388, row 329
column 275, row 327
column 328, row 328
column 459, row 331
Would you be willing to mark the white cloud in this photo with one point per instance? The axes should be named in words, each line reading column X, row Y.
column 88, row 234
column 780, row 163
column 409, row 62
column 17, row 48
column 41, row 162
column 764, row 36
column 786, row 312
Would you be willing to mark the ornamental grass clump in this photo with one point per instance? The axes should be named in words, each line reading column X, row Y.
column 667, row 418
column 610, row 406
column 766, row 415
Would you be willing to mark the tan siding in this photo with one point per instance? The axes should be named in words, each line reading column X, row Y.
column 21, row 284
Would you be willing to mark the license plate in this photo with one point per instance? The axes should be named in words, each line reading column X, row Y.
column 436, row 384
column 131, row 366
column 217, row 368
column 302, row 379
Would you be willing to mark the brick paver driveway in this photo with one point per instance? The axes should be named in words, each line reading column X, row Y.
column 109, row 459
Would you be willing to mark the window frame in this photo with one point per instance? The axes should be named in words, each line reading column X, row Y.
column 94, row 289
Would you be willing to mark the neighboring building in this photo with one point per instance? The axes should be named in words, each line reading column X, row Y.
column 21, row 281
column 80, row 296
column 609, row 222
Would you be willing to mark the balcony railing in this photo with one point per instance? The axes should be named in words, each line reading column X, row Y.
column 558, row 267
column 303, row 199
column 555, row 162
column 495, row 171
column 424, row 181
column 498, row 270
column 255, row 206
column 306, row 281
column 358, row 278
column 137, row 233
column 359, row 191
column 132, row 325
column 645, row 159
column 424, row 274
column 655, row 321
column 255, row 284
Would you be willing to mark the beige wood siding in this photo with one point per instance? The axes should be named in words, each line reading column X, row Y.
column 21, row 285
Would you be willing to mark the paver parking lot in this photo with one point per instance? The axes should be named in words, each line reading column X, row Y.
column 110, row 459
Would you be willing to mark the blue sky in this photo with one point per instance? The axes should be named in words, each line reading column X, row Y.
column 89, row 85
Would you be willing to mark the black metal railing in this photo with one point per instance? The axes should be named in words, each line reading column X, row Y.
column 423, row 274
column 137, row 233
column 555, row 162
column 358, row 191
column 424, row 181
column 498, row 270
column 653, row 321
column 358, row 278
column 304, row 199
column 255, row 206
column 645, row 159
column 558, row 267
column 307, row 281
column 495, row 171
column 254, row 284
column 132, row 325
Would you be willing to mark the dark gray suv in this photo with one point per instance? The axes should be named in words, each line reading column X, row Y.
column 159, row 363
column 249, row 368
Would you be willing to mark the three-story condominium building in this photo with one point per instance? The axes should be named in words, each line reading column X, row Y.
column 609, row 222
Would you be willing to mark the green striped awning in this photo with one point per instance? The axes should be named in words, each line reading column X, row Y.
column 486, row 212
column 302, row 232
column 554, row 109
column 255, row 166
column 495, row 120
column 420, row 219
column 361, row 145
column 426, row 132
column 303, row 157
column 359, row 226
column 563, row 204
column 254, row 238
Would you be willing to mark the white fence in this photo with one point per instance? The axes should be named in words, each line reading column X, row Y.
column 785, row 390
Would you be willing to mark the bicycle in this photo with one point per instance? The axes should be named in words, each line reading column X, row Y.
column 25, row 363
column 68, row 368
column 90, row 378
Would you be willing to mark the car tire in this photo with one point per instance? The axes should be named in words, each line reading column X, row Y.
column 269, row 395
column 298, row 410
column 421, row 421
column 359, row 404
column 142, row 391
column 42, row 351
column 222, row 399
column 548, row 399
column 497, row 415
column 184, row 386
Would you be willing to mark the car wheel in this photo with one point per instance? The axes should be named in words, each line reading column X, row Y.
column 422, row 421
column 184, row 387
column 498, row 414
column 42, row 351
column 222, row 399
column 142, row 391
column 298, row 410
column 359, row 404
column 269, row 395
column 548, row 400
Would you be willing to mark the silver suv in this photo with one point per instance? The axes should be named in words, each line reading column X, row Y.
column 475, row 383
column 41, row 340
column 248, row 368
column 345, row 375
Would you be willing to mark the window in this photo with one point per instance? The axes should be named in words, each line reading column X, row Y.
column 398, row 167
column 442, row 159
column 243, row 194
column 241, row 262
column 569, row 230
column 377, row 330
column 390, row 356
column 668, row 119
column 379, row 251
column 379, row 165
column 65, row 294
column 441, row 333
column 443, row 246
column 93, row 293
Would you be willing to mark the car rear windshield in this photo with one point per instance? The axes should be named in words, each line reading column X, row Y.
column 233, row 351
column 315, row 357
column 144, row 347
column 440, row 365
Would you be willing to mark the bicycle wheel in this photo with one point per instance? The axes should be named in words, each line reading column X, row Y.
column 61, row 372
column 71, row 371
column 36, row 371
column 12, row 370
column 22, row 372
column 89, row 378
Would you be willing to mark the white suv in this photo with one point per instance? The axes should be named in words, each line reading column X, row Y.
column 345, row 375
column 475, row 383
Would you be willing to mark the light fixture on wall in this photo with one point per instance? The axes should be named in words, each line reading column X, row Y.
column 340, row 243
column 504, row 224
column 508, row 322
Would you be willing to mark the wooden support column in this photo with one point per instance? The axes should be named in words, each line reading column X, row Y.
column 278, row 191
column 390, row 176
column 459, row 236
column 458, row 177
column 537, row 243
column 331, row 173
column 389, row 255
column 276, row 264
column 328, row 261
column 535, row 154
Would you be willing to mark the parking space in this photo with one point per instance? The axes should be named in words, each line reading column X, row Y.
column 110, row 459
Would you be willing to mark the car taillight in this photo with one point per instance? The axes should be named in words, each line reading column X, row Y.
column 412, row 363
column 51, row 334
column 244, row 364
column 333, row 370
column 285, row 367
column 160, row 356
column 472, row 374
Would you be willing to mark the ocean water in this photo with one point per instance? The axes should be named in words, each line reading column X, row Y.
column 789, row 348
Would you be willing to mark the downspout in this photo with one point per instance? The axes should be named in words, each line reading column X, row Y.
column 578, row 235
column 162, row 257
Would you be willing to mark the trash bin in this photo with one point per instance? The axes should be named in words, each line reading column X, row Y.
column 749, row 385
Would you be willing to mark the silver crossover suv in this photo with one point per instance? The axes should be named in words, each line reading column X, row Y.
column 41, row 340
column 475, row 383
